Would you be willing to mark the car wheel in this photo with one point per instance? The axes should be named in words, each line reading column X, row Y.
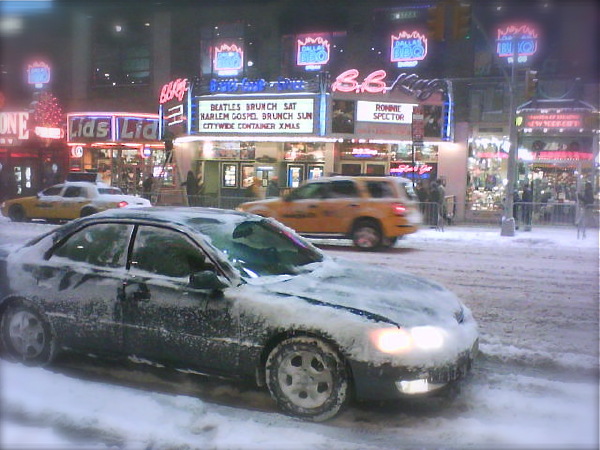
column 26, row 336
column 87, row 212
column 366, row 235
column 307, row 378
column 16, row 213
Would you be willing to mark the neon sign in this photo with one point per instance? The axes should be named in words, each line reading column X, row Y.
column 553, row 121
column 407, row 49
column 38, row 73
column 48, row 132
column 313, row 52
column 258, row 85
column 174, row 89
column 419, row 170
column 526, row 38
column 374, row 83
column 228, row 59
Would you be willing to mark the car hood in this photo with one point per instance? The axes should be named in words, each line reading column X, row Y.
column 374, row 292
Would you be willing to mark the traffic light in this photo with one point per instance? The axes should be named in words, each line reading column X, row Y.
column 461, row 21
column 435, row 22
column 531, row 82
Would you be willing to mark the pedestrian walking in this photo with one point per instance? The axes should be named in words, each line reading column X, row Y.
column 585, row 202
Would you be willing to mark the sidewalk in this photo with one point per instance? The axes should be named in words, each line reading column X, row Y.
column 546, row 235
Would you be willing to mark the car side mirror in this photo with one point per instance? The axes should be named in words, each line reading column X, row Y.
column 207, row 279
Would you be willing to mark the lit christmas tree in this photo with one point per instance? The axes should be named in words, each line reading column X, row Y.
column 47, row 111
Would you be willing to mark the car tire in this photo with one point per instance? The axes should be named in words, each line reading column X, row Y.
column 366, row 235
column 87, row 212
column 26, row 336
column 16, row 213
column 307, row 378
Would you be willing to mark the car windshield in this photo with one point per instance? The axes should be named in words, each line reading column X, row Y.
column 260, row 247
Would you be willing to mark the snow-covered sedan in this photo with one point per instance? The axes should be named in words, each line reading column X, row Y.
column 232, row 294
column 69, row 200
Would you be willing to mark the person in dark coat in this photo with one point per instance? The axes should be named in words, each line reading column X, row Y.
column 585, row 204
column 192, row 188
column 527, row 205
column 147, row 186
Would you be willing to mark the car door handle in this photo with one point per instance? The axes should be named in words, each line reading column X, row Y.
column 313, row 206
column 353, row 205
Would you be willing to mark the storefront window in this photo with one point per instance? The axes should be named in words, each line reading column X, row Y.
column 404, row 152
column 487, row 165
column 304, row 151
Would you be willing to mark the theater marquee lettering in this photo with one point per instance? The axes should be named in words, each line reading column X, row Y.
column 256, row 116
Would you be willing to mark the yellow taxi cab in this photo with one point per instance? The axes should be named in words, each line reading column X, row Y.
column 373, row 211
column 69, row 200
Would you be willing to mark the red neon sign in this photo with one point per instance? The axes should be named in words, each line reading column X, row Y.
column 408, row 168
column 173, row 89
column 374, row 83
column 554, row 121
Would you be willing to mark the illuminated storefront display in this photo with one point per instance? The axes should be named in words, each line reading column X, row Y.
column 123, row 148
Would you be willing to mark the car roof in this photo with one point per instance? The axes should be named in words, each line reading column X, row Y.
column 169, row 214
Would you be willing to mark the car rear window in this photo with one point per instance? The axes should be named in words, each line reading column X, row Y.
column 380, row 189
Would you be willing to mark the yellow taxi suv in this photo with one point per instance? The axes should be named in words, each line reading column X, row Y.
column 69, row 200
column 372, row 211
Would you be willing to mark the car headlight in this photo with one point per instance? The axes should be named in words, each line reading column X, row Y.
column 400, row 340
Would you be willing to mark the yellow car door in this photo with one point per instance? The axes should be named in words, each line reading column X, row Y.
column 74, row 198
column 302, row 209
column 45, row 205
column 340, row 208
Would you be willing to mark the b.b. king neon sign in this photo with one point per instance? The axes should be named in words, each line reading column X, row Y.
column 313, row 52
column 407, row 49
column 228, row 59
column 526, row 39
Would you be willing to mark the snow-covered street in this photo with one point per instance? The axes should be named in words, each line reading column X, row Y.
column 535, row 385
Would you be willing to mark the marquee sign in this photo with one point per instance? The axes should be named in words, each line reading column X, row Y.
column 228, row 59
column 312, row 52
column 384, row 112
column 256, row 116
column 525, row 37
column 407, row 49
